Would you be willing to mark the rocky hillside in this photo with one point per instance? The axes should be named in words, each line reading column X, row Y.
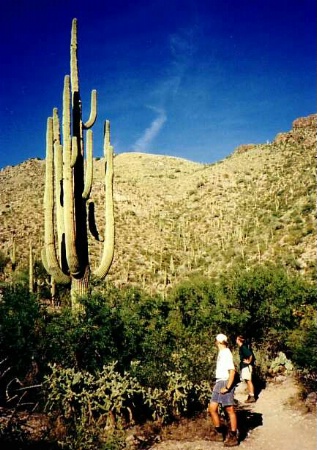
column 175, row 217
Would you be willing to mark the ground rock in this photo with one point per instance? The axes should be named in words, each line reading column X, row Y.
column 311, row 401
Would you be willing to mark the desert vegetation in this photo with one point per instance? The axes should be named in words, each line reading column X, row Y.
column 174, row 217
column 198, row 249
column 128, row 359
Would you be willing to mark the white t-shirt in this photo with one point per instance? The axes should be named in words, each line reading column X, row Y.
column 224, row 364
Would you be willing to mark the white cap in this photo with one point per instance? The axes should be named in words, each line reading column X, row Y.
column 221, row 338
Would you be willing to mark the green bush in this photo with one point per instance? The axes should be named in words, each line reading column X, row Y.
column 85, row 340
column 146, row 337
column 302, row 342
column 163, row 347
column 20, row 328
column 267, row 297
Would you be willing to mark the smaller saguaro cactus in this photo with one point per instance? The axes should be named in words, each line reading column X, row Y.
column 68, row 182
column 31, row 269
column 13, row 255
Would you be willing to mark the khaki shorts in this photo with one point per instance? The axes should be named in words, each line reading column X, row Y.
column 246, row 373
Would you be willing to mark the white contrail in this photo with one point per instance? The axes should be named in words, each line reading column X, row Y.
column 142, row 144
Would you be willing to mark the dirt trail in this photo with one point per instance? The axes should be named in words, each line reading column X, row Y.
column 269, row 424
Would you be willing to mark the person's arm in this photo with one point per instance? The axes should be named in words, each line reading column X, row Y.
column 248, row 360
column 230, row 382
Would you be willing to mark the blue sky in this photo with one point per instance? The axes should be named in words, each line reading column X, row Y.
column 186, row 78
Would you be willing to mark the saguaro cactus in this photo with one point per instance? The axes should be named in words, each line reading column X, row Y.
column 68, row 182
column 31, row 269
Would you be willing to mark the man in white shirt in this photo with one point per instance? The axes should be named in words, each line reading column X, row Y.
column 223, row 393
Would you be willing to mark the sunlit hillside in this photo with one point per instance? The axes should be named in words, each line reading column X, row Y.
column 175, row 217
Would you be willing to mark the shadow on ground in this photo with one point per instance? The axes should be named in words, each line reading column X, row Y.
column 199, row 427
column 247, row 421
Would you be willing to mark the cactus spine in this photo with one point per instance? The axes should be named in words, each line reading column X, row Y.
column 68, row 182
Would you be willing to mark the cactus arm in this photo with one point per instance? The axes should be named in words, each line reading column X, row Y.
column 108, row 250
column 58, row 174
column 61, row 277
column 56, row 127
column 89, row 171
column 74, row 152
column 59, row 200
column 44, row 259
column 74, row 83
column 73, row 57
column 50, row 260
column 69, row 210
column 93, row 111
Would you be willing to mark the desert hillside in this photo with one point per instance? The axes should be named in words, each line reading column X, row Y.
column 175, row 217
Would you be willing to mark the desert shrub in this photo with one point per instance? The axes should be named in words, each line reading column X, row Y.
column 146, row 336
column 20, row 325
column 59, row 344
column 20, row 276
column 124, row 326
column 20, row 334
column 87, row 340
column 302, row 343
column 150, row 336
column 268, row 298
column 187, row 329
column 265, row 303
column 195, row 301
column 171, row 334
column 199, row 311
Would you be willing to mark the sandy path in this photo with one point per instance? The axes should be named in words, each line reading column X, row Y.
column 269, row 424
column 283, row 427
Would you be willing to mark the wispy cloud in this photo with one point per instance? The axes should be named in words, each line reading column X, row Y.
column 182, row 48
column 143, row 143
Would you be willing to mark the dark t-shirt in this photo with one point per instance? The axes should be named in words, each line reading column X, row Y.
column 244, row 352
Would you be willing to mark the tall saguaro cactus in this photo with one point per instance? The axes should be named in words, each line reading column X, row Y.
column 68, row 182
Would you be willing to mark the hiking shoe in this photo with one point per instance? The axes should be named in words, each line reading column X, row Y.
column 231, row 440
column 215, row 436
column 250, row 399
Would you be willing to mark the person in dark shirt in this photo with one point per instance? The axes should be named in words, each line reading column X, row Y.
column 246, row 366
